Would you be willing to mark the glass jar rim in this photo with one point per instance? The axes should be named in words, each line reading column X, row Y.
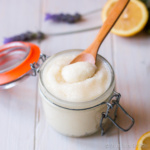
column 75, row 105
column 12, row 50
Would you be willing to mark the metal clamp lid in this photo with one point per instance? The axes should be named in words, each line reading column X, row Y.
column 114, row 101
column 15, row 59
column 18, row 60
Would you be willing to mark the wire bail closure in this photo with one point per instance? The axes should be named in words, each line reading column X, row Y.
column 115, row 98
column 36, row 66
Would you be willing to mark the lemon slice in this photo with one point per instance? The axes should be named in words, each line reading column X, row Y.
column 133, row 19
column 144, row 142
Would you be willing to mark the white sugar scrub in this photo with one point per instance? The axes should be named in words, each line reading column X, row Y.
column 78, row 82
column 78, row 71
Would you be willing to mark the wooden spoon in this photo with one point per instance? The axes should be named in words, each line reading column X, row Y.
column 90, row 53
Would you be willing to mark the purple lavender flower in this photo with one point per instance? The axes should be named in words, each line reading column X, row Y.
column 27, row 36
column 63, row 17
column 48, row 16
column 7, row 40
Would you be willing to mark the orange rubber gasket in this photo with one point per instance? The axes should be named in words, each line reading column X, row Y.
column 22, row 68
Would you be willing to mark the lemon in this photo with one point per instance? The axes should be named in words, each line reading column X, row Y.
column 132, row 20
column 144, row 142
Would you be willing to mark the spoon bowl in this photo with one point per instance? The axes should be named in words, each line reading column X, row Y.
column 84, row 57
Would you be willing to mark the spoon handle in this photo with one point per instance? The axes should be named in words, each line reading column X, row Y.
column 107, row 26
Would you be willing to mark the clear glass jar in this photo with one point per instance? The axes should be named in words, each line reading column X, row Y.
column 71, row 118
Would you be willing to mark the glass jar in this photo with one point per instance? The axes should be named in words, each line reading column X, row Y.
column 78, row 118
column 20, row 60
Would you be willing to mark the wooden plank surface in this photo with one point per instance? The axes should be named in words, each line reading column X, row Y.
column 22, row 121
column 132, row 67
column 17, row 105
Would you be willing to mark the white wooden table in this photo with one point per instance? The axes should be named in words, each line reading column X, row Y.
column 22, row 121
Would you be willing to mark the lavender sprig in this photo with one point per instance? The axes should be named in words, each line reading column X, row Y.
column 27, row 36
column 63, row 17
